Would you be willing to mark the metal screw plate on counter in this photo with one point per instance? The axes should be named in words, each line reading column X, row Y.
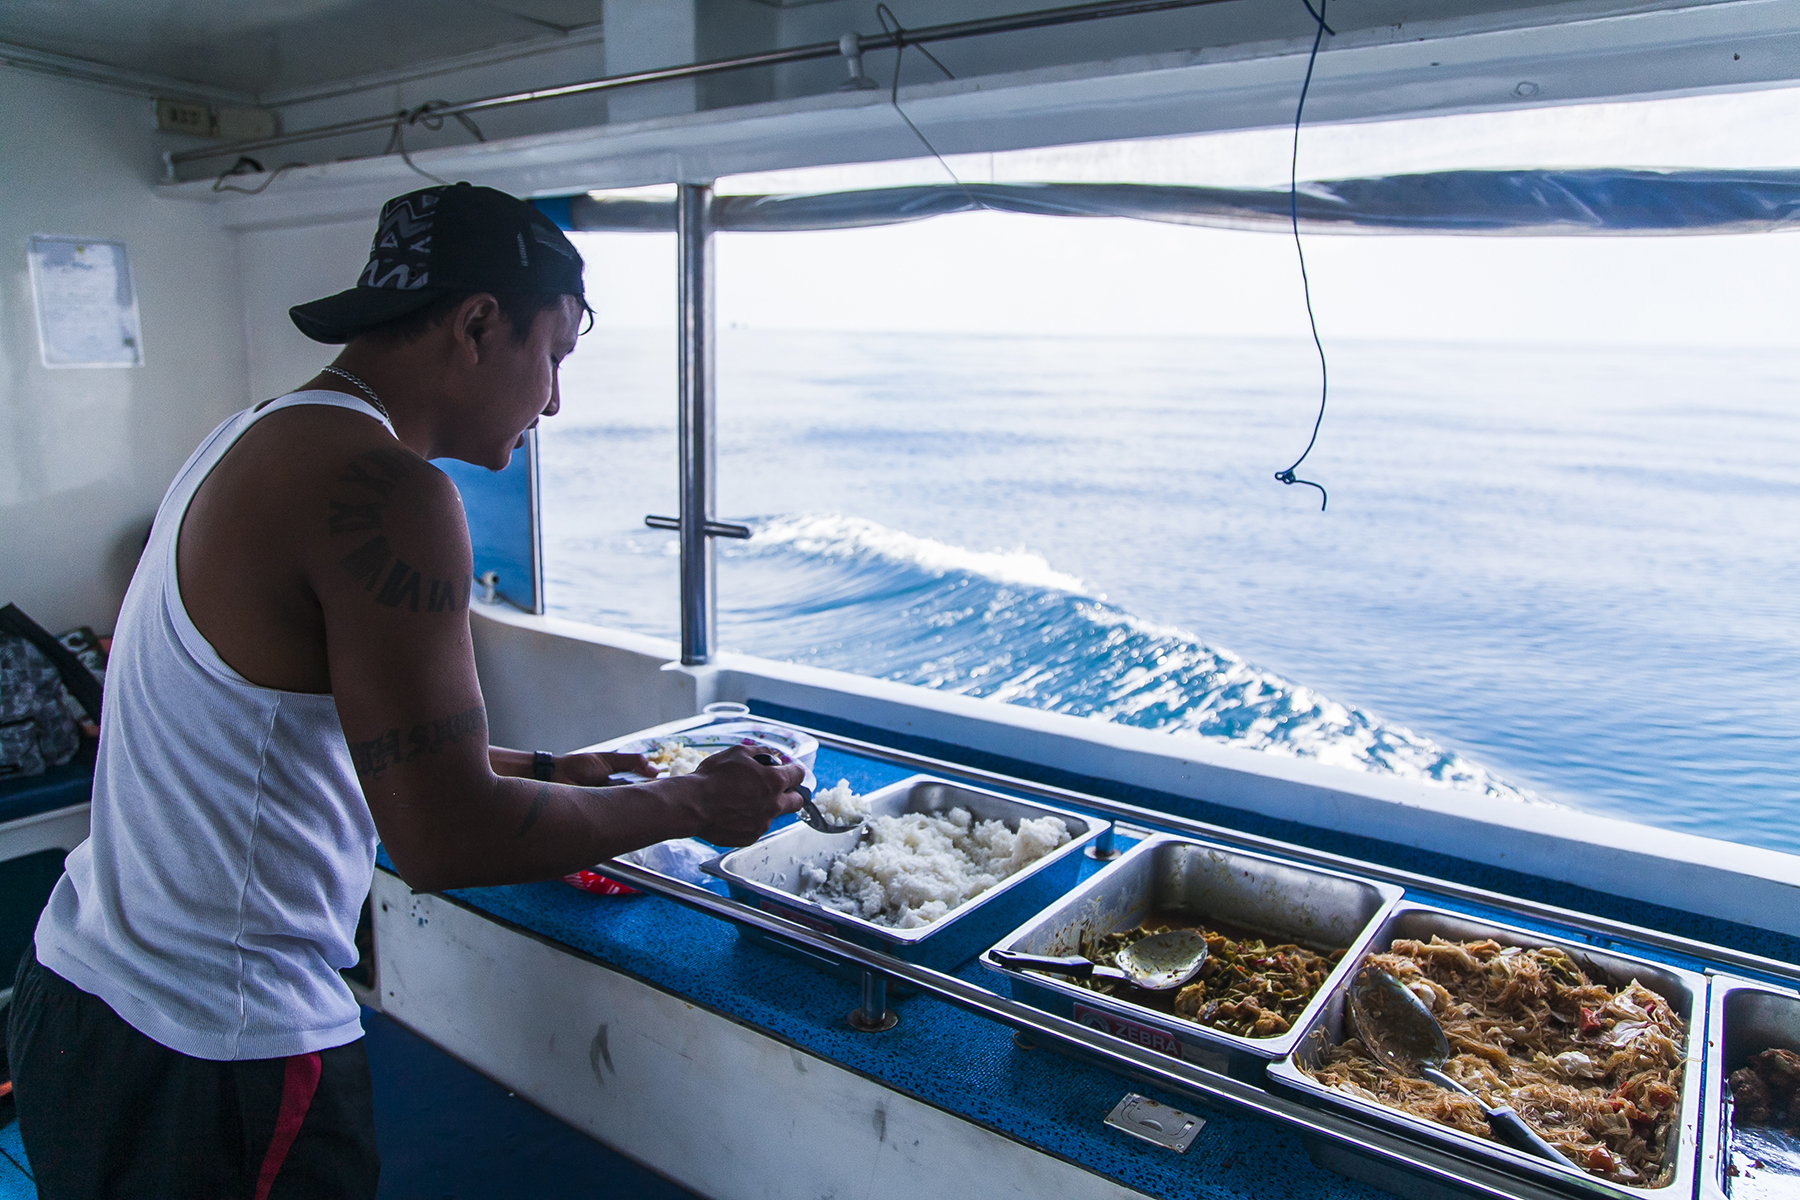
column 1144, row 1118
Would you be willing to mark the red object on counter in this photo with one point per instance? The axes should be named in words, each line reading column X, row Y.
column 598, row 884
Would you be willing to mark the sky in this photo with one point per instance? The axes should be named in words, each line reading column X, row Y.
column 1006, row 273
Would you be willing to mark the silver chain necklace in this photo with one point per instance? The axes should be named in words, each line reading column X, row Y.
column 366, row 390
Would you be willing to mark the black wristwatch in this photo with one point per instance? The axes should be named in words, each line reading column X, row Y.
column 543, row 765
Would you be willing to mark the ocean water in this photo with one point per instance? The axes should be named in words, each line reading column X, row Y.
column 1568, row 575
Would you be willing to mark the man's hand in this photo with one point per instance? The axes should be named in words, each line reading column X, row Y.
column 742, row 796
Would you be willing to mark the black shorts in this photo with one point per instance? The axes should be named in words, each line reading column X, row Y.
column 105, row 1111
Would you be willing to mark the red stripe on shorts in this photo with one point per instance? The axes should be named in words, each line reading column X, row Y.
column 297, row 1088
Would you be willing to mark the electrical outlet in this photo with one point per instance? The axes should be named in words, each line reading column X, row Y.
column 244, row 124
column 184, row 116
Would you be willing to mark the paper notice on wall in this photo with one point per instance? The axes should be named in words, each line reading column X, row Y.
column 87, row 309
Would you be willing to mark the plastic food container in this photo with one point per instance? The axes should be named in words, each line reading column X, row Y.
column 1244, row 892
column 767, row 875
column 784, row 742
column 1744, row 1017
column 1684, row 991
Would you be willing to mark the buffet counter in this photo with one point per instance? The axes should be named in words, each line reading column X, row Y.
column 720, row 1052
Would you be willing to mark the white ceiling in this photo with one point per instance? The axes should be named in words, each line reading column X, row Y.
column 271, row 46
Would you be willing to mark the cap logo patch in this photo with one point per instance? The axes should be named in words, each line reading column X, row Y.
column 398, row 276
column 401, row 256
column 524, row 259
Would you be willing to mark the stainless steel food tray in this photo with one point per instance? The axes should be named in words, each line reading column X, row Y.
column 1685, row 991
column 767, row 874
column 1164, row 873
column 1743, row 1017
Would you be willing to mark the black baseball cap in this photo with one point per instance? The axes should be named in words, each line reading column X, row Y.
column 439, row 240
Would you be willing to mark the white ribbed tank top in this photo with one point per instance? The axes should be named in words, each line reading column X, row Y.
column 217, row 894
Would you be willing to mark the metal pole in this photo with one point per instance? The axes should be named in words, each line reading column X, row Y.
column 693, row 233
column 874, row 1015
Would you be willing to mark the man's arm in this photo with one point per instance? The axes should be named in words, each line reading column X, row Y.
column 587, row 768
column 392, row 579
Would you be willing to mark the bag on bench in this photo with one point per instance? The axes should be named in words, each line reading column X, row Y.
column 44, row 692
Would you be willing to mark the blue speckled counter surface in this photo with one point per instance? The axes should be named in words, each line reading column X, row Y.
column 939, row 1054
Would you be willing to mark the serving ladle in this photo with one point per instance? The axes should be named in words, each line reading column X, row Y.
column 1401, row 1034
column 809, row 812
column 1161, row 962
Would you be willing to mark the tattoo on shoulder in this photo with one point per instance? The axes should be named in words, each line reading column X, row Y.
column 392, row 748
column 450, row 595
column 371, row 477
column 378, row 470
column 392, row 581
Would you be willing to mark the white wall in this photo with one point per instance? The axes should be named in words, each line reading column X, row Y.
column 285, row 267
column 86, row 454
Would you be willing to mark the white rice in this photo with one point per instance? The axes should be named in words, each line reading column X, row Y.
column 839, row 804
column 910, row 870
column 673, row 757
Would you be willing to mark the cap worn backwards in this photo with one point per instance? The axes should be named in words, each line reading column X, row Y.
column 439, row 240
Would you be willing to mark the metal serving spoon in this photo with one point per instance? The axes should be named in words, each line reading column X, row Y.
column 1399, row 1031
column 809, row 812
column 1161, row 962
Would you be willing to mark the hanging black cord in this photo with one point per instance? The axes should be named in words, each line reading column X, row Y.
column 1288, row 477
column 884, row 14
column 246, row 165
column 427, row 115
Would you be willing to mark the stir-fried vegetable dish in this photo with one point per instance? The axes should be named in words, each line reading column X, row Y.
column 1596, row 1070
column 1244, row 987
column 1767, row 1091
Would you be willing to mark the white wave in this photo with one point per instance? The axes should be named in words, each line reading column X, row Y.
column 1060, row 648
column 833, row 535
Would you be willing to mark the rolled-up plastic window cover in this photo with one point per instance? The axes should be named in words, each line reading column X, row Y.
column 1589, row 202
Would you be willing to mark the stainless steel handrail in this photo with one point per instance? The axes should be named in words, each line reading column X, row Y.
column 695, row 428
column 1143, row 1065
column 1168, row 822
column 1040, row 19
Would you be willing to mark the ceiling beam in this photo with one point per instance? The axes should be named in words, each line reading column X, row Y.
column 121, row 79
column 1369, row 75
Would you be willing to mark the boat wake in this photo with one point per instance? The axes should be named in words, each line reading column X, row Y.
column 845, row 593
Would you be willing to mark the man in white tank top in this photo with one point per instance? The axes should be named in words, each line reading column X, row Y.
column 291, row 678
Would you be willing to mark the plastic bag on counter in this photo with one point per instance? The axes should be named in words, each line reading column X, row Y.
column 678, row 859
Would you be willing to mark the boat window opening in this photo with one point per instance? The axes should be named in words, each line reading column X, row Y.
column 609, row 456
column 1053, row 504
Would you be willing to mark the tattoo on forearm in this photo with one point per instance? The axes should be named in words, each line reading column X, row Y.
column 373, row 757
column 539, row 803
column 398, row 584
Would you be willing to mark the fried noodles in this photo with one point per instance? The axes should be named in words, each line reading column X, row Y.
column 1595, row 1070
column 1243, row 987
